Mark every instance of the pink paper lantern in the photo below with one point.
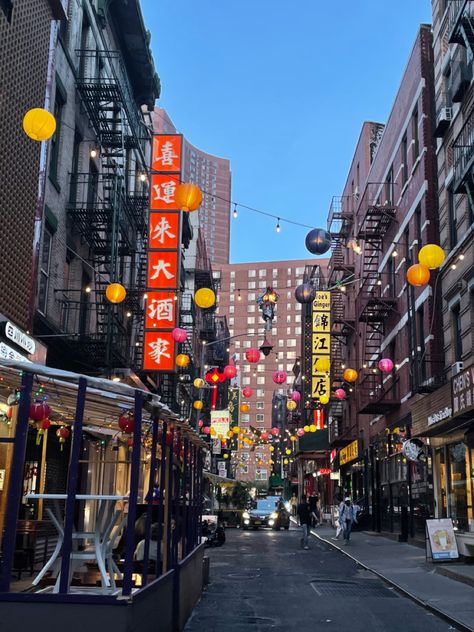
(340, 393)
(247, 392)
(179, 335)
(279, 377)
(206, 430)
(264, 435)
(200, 423)
(39, 411)
(252, 355)
(230, 371)
(295, 396)
(300, 432)
(386, 365)
(275, 432)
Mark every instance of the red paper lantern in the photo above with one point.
(300, 432)
(45, 424)
(275, 432)
(9, 412)
(230, 371)
(179, 335)
(169, 438)
(295, 396)
(62, 433)
(252, 355)
(126, 423)
(279, 377)
(206, 430)
(247, 392)
(340, 393)
(264, 435)
(39, 411)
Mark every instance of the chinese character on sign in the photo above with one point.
(320, 322)
(161, 267)
(321, 342)
(166, 155)
(161, 309)
(163, 192)
(320, 386)
(159, 350)
(161, 230)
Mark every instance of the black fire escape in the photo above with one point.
(376, 303)
(109, 211)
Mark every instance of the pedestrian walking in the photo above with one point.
(294, 504)
(314, 509)
(337, 523)
(347, 517)
(304, 516)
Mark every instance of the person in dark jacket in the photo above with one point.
(304, 517)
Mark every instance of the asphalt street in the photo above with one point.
(263, 580)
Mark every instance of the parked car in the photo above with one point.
(267, 512)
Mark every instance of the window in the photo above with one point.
(453, 229)
(251, 331)
(389, 187)
(420, 318)
(288, 318)
(298, 308)
(244, 469)
(260, 380)
(237, 346)
(261, 368)
(245, 418)
(246, 368)
(232, 298)
(260, 418)
(232, 287)
(236, 356)
(250, 309)
(246, 381)
(261, 475)
(245, 456)
(299, 271)
(251, 285)
(289, 367)
(457, 334)
(262, 273)
(288, 295)
(291, 355)
(251, 296)
(251, 320)
(291, 342)
(45, 263)
(288, 331)
(260, 405)
(414, 131)
(262, 285)
(59, 102)
(404, 160)
(298, 330)
(7, 7)
(231, 309)
(281, 343)
(247, 344)
(251, 273)
(231, 320)
(260, 392)
(232, 274)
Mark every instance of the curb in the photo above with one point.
(459, 625)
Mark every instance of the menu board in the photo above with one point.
(442, 539)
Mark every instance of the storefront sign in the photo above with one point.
(8, 353)
(222, 468)
(442, 539)
(164, 237)
(220, 422)
(216, 446)
(440, 415)
(320, 343)
(325, 470)
(332, 455)
(349, 453)
(16, 335)
(462, 390)
(335, 476)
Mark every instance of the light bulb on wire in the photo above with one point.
(235, 214)
(278, 227)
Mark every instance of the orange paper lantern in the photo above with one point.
(188, 196)
(418, 275)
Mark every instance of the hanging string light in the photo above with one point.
(278, 227)
(235, 214)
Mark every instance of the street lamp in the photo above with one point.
(266, 347)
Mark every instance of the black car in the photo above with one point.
(267, 512)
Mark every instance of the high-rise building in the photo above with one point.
(212, 174)
(241, 285)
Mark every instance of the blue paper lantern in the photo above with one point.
(318, 241)
(305, 293)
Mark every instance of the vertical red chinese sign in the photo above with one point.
(164, 238)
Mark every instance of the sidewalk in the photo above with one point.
(440, 587)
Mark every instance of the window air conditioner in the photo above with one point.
(457, 367)
(445, 114)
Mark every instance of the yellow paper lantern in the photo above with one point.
(312, 428)
(182, 360)
(418, 275)
(350, 375)
(287, 451)
(324, 399)
(272, 448)
(306, 428)
(213, 432)
(199, 382)
(198, 404)
(293, 438)
(226, 456)
(235, 430)
(271, 461)
(188, 196)
(205, 298)
(323, 365)
(431, 256)
(115, 293)
(39, 124)
(230, 434)
(244, 408)
(285, 461)
(291, 405)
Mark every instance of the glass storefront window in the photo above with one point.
(453, 464)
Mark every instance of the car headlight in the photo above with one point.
(246, 515)
(274, 515)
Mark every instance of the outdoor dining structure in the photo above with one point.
(100, 504)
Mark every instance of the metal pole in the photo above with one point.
(161, 512)
(149, 509)
(72, 477)
(15, 486)
(132, 501)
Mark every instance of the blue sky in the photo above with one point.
(281, 89)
